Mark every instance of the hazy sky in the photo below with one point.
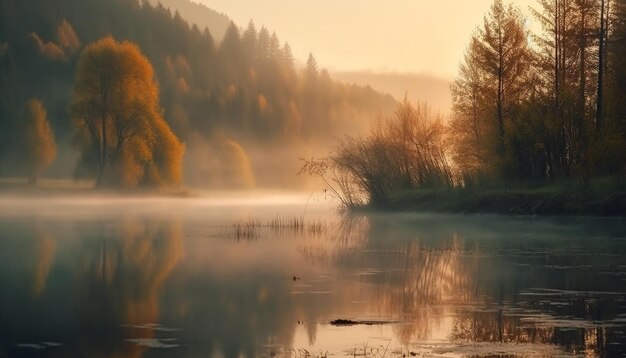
(418, 36)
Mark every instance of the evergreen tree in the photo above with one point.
(287, 55)
(311, 70)
(249, 40)
(263, 49)
(274, 47)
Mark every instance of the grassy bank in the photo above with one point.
(547, 200)
(20, 187)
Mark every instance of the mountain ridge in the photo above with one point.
(200, 14)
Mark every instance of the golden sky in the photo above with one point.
(416, 36)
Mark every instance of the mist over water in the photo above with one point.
(239, 275)
(147, 148)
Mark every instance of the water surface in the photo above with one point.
(223, 276)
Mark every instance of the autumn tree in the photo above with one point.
(613, 134)
(119, 127)
(37, 145)
(234, 165)
(470, 129)
(67, 43)
(503, 54)
(207, 81)
(602, 40)
(67, 38)
(566, 63)
(491, 83)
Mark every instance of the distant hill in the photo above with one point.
(434, 90)
(195, 13)
(245, 92)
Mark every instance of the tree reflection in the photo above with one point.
(452, 279)
(349, 233)
(120, 286)
(45, 247)
(430, 281)
(456, 281)
(415, 282)
(510, 326)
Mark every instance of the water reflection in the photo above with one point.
(105, 300)
(539, 285)
(119, 284)
(345, 235)
(132, 285)
(45, 247)
(429, 280)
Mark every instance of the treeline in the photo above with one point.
(242, 89)
(196, 13)
(528, 109)
(550, 105)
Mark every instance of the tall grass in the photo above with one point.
(246, 229)
(406, 151)
(251, 228)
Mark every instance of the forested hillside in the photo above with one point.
(195, 13)
(221, 100)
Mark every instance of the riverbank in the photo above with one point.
(540, 201)
(69, 188)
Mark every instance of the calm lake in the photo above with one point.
(233, 276)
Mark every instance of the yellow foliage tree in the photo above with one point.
(119, 124)
(38, 146)
(236, 167)
(67, 38)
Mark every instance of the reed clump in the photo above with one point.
(250, 228)
(247, 229)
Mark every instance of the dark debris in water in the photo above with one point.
(349, 322)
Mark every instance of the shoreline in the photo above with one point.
(542, 202)
(52, 188)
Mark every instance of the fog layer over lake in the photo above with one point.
(229, 275)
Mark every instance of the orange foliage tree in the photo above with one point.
(37, 145)
(494, 78)
(120, 129)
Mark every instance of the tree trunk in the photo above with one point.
(500, 104)
(601, 46)
(582, 98)
(32, 176)
(103, 146)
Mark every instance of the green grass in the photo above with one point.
(68, 187)
(602, 197)
(21, 186)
